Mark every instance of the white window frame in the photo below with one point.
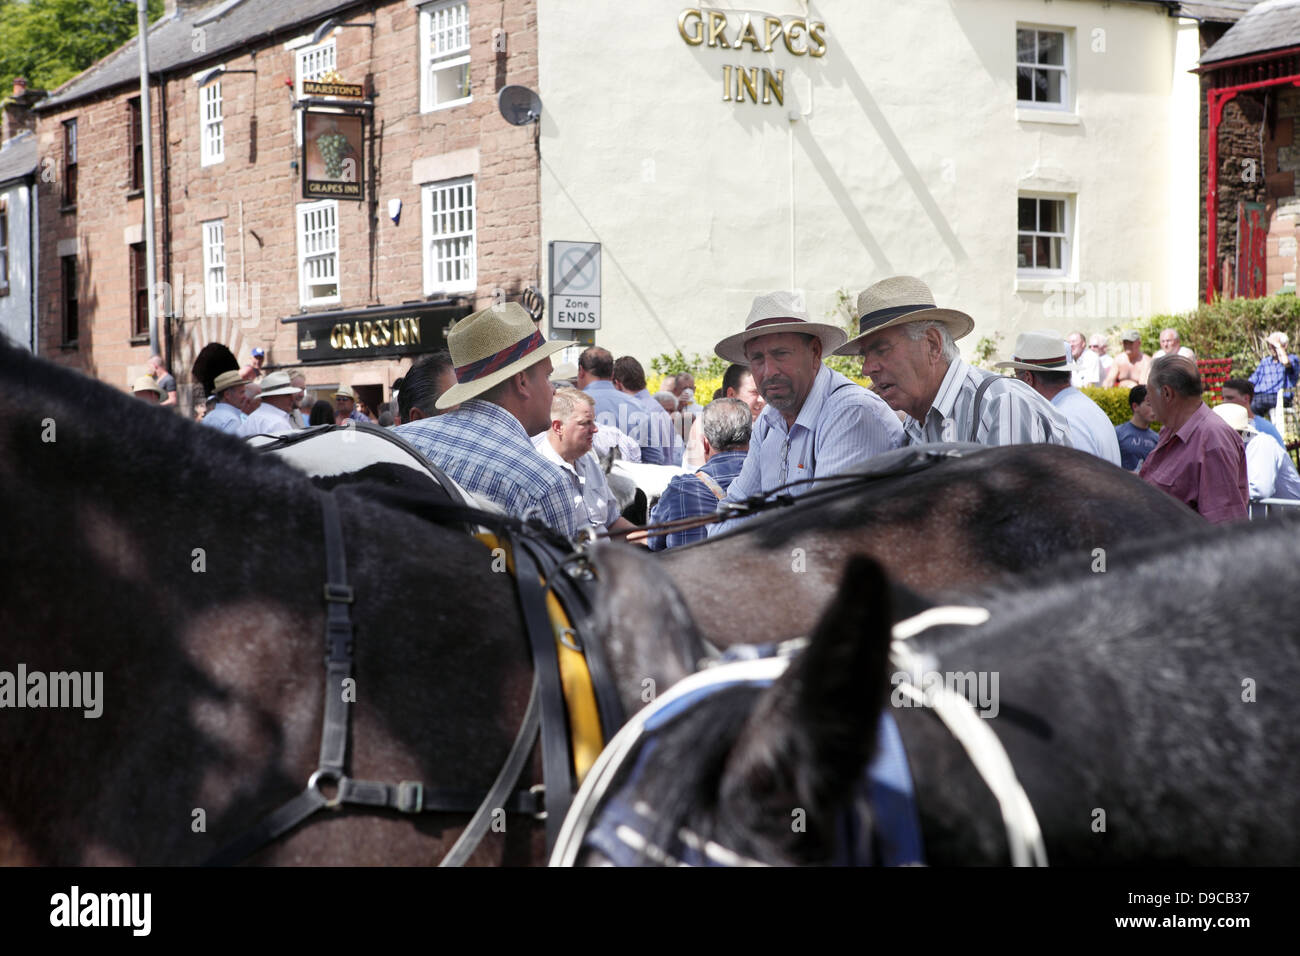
(460, 232)
(212, 131)
(433, 22)
(1066, 105)
(215, 292)
(321, 252)
(1066, 237)
(327, 55)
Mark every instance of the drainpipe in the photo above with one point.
(1216, 100)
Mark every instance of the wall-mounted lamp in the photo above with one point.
(331, 24)
(211, 75)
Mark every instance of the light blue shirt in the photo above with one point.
(628, 415)
(1090, 427)
(224, 417)
(593, 501)
(840, 425)
(662, 434)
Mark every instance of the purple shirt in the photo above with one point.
(1203, 464)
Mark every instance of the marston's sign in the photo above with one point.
(349, 91)
(700, 26)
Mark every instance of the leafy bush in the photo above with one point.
(1113, 401)
(1228, 328)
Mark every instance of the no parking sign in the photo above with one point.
(575, 285)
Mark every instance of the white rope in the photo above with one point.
(601, 776)
(976, 737)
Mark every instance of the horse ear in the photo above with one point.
(804, 748)
(643, 623)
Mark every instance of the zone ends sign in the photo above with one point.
(575, 285)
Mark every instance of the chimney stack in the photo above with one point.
(17, 110)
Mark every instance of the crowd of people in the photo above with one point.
(495, 414)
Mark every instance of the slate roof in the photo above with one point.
(228, 26)
(18, 157)
(1270, 25)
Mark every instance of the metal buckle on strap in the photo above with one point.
(410, 796)
(338, 593)
(538, 790)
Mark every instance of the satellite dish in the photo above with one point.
(519, 105)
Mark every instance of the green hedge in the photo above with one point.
(1226, 328)
(1113, 401)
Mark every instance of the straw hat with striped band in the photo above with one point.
(1236, 416)
(897, 301)
(1043, 351)
(773, 314)
(490, 346)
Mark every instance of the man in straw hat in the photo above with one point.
(147, 390)
(1043, 361)
(502, 365)
(345, 406)
(271, 417)
(908, 348)
(1199, 459)
(817, 423)
(226, 415)
(1270, 472)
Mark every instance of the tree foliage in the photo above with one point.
(51, 41)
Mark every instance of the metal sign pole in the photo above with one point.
(146, 132)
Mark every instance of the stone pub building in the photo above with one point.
(333, 183)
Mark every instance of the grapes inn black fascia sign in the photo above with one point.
(378, 332)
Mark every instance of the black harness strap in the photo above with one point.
(556, 767)
(338, 643)
(407, 796)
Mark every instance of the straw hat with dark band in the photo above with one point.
(1045, 351)
(227, 380)
(898, 301)
(773, 314)
(489, 346)
(146, 383)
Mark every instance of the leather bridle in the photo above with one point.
(542, 561)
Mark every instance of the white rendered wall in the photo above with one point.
(907, 157)
(16, 307)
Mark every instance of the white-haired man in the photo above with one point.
(817, 423)
(908, 348)
(1087, 367)
(271, 417)
(1171, 344)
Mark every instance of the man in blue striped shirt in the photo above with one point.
(502, 368)
(908, 348)
(817, 423)
(726, 423)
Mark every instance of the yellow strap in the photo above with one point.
(585, 738)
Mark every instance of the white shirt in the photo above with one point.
(607, 436)
(267, 420)
(1090, 427)
(840, 425)
(593, 501)
(1269, 469)
(1183, 350)
(1087, 369)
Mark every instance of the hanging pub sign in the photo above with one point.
(333, 147)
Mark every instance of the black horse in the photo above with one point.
(1149, 713)
(186, 570)
(963, 522)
